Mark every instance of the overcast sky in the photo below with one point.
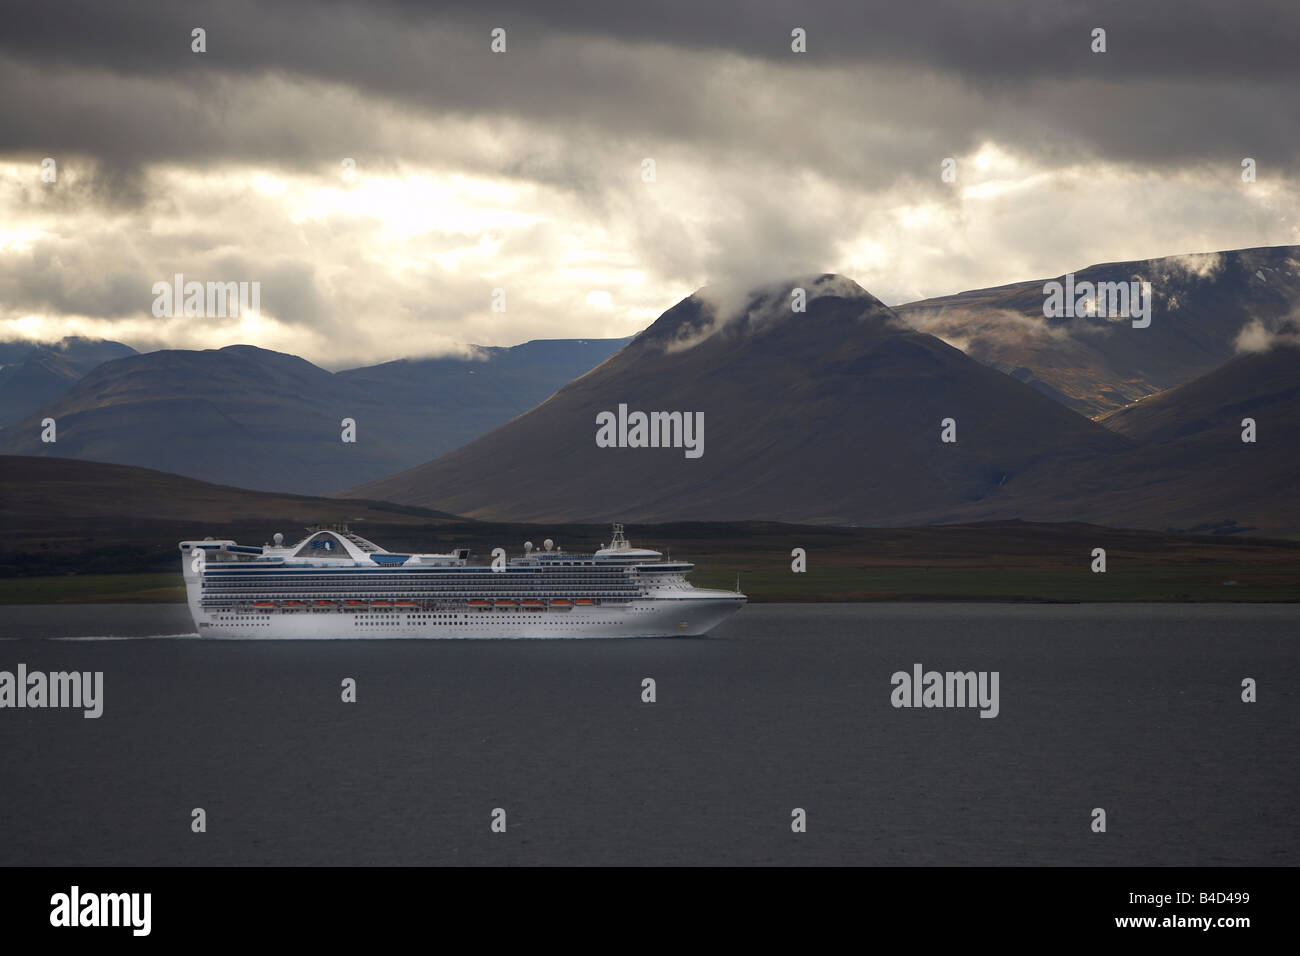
(524, 170)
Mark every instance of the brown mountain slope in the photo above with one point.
(1189, 468)
(49, 492)
(828, 416)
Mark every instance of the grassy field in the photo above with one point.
(1014, 562)
(94, 589)
(1135, 583)
(92, 532)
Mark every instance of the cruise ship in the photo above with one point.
(335, 584)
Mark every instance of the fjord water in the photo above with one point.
(1135, 709)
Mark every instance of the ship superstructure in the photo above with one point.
(333, 583)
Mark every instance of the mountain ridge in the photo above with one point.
(1201, 303)
(755, 359)
(274, 421)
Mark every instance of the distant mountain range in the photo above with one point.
(833, 415)
(1200, 304)
(34, 375)
(258, 419)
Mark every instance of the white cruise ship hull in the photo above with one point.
(661, 617)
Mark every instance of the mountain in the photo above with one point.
(1264, 385)
(830, 416)
(266, 420)
(38, 374)
(1193, 467)
(1187, 468)
(33, 383)
(83, 354)
(474, 394)
(1200, 306)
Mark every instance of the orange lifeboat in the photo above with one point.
(293, 603)
(323, 603)
(504, 603)
(532, 604)
(562, 603)
(405, 604)
(355, 603)
(264, 604)
(381, 603)
(584, 601)
(477, 602)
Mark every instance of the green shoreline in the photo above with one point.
(1159, 584)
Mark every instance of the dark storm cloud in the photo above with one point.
(1180, 81)
(993, 39)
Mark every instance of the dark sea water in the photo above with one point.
(1135, 709)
